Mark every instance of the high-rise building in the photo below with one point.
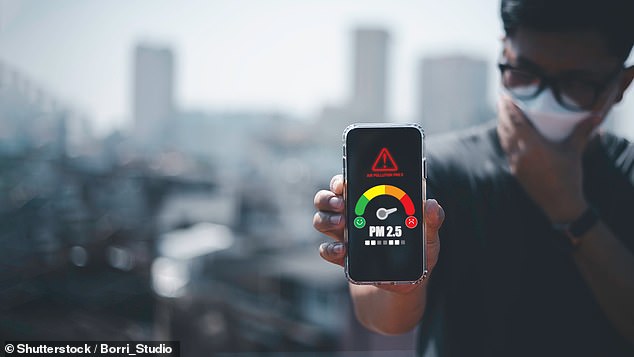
(153, 101)
(452, 93)
(369, 82)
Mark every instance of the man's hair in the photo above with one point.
(611, 19)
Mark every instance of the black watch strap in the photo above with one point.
(584, 223)
(580, 226)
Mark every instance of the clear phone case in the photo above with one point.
(423, 176)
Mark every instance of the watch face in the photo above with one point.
(384, 198)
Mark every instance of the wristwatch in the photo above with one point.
(577, 228)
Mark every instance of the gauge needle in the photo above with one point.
(382, 213)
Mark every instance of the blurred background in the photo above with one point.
(158, 159)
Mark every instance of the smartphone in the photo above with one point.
(384, 171)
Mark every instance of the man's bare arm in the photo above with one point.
(608, 268)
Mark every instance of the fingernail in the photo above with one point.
(335, 219)
(432, 207)
(333, 180)
(336, 202)
(430, 203)
(338, 248)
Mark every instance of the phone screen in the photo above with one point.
(384, 192)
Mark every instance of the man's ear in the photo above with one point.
(626, 80)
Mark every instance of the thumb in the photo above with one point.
(434, 216)
(581, 134)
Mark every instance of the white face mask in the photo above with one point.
(552, 120)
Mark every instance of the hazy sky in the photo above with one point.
(287, 55)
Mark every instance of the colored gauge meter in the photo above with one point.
(380, 190)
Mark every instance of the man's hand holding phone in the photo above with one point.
(329, 220)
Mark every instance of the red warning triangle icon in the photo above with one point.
(384, 162)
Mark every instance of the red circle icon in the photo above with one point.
(411, 222)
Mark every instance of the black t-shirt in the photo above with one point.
(504, 285)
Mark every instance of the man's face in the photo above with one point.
(570, 56)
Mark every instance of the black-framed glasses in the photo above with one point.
(570, 92)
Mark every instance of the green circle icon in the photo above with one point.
(359, 222)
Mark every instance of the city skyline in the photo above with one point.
(280, 56)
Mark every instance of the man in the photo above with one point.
(537, 245)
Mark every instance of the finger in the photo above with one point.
(508, 132)
(507, 111)
(333, 252)
(515, 114)
(505, 129)
(581, 134)
(434, 216)
(336, 184)
(328, 201)
(521, 124)
(502, 106)
(330, 224)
